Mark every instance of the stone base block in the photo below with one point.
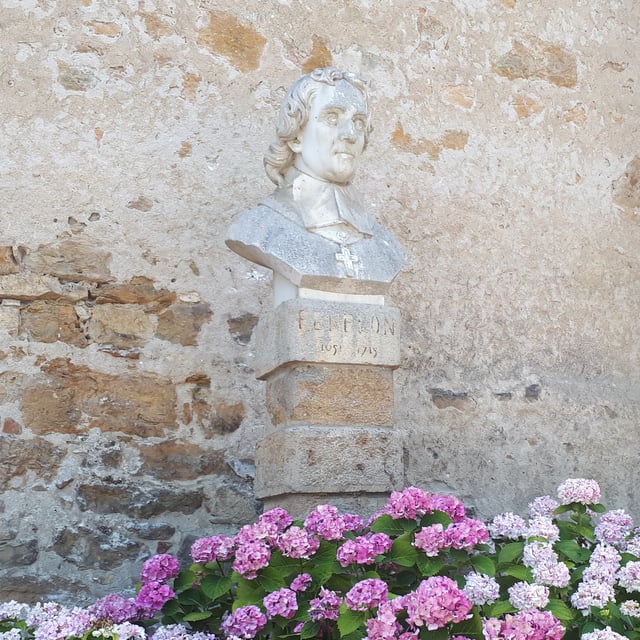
(307, 330)
(328, 460)
(331, 395)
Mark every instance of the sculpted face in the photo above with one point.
(333, 139)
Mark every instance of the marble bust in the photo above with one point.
(312, 231)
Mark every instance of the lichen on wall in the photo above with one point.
(504, 157)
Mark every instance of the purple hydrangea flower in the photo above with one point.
(326, 606)
(12, 610)
(301, 582)
(508, 525)
(603, 634)
(116, 608)
(250, 557)
(630, 608)
(366, 594)
(281, 603)
(524, 625)
(449, 505)
(212, 549)
(152, 597)
(543, 527)
(579, 490)
(524, 596)
(278, 518)
(180, 632)
(614, 527)
(629, 576)
(542, 507)
(244, 622)
(160, 568)
(592, 594)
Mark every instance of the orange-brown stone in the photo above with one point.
(76, 399)
(241, 45)
(531, 57)
(7, 261)
(190, 84)
(139, 290)
(405, 142)
(171, 460)
(320, 55)
(181, 323)
(46, 321)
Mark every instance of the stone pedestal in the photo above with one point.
(328, 368)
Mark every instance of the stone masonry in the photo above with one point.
(504, 159)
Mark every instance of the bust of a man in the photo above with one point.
(312, 230)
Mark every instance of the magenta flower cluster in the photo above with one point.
(579, 490)
(363, 549)
(524, 625)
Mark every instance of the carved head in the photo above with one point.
(324, 126)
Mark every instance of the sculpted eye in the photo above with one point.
(359, 124)
(331, 118)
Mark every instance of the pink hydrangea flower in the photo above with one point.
(363, 549)
(278, 518)
(366, 594)
(603, 565)
(431, 539)
(160, 568)
(281, 603)
(436, 602)
(296, 542)
(212, 549)
(410, 503)
(250, 558)
(481, 589)
(385, 625)
(508, 525)
(326, 606)
(12, 610)
(466, 534)
(64, 623)
(579, 490)
(244, 622)
(301, 582)
(449, 505)
(325, 522)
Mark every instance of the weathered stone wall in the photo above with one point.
(504, 158)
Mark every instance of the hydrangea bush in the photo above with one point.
(421, 568)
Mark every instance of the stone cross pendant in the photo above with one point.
(349, 260)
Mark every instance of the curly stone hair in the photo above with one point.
(294, 115)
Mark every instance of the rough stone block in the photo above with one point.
(18, 457)
(30, 286)
(181, 461)
(307, 330)
(328, 460)
(331, 395)
(181, 323)
(10, 317)
(138, 290)
(47, 321)
(69, 261)
(122, 325)
(7, 261)
(77, 399)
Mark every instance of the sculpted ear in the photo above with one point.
(295, 145)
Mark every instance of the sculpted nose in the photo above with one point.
(348, 131)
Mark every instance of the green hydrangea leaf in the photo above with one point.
(498, 609)
(349, 621)
(429, 566)
(197, 615)
(560, 610)
(386, 524)
(510, 552)
(482, 564)
(403, 552)
(216, 586)
(573, 550)
(184, 580)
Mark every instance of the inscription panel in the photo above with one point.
(304, 330)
